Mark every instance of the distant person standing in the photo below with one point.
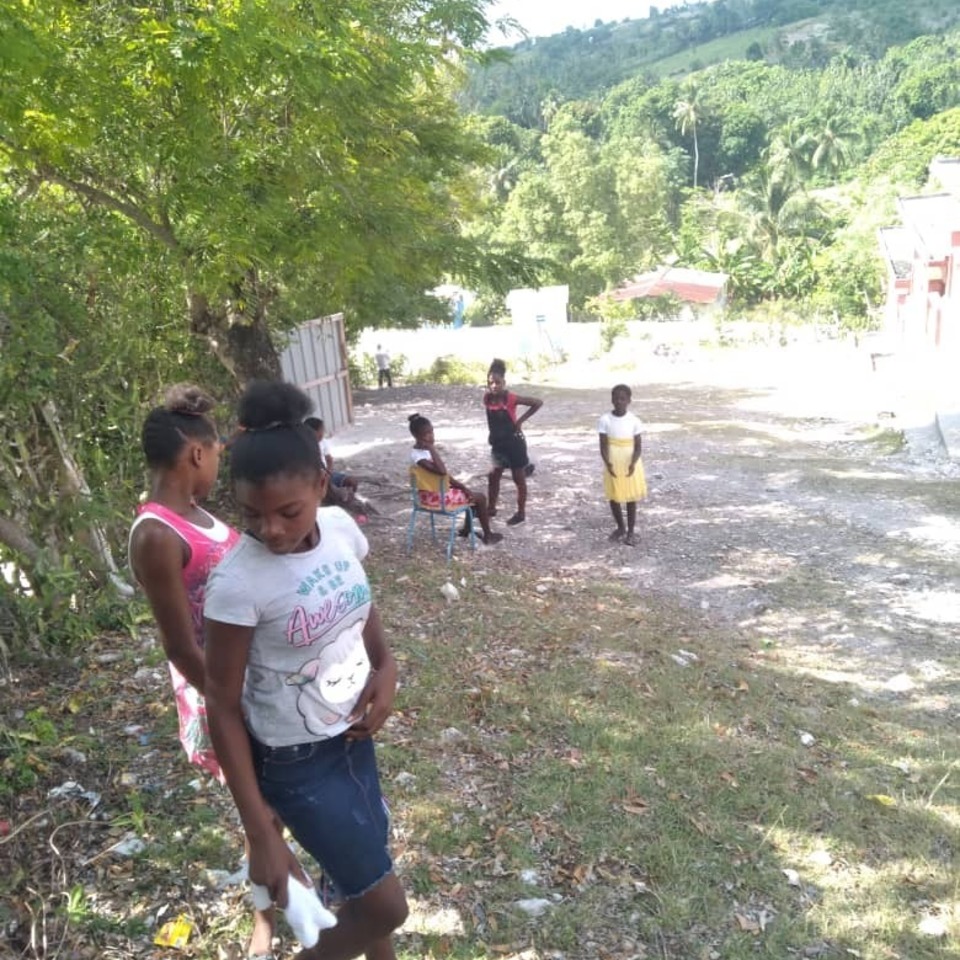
(620, 449)
(383, 367)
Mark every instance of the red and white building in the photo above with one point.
(698, 287)
(923, 266)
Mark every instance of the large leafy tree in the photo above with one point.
(264, 148)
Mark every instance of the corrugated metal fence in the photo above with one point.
(316, 361)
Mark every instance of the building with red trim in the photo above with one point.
(923, 265)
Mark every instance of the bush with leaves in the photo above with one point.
(450, 370)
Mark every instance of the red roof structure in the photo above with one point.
(690, 286)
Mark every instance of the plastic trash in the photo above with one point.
(305, 913)
(174, 933)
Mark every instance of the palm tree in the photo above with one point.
(687, 114)
(834, 136)
(774, 207)
(788, 153)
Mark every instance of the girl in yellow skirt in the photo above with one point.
(620, 449)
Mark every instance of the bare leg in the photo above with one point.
(363, 925)
(493, 489)
(381, 950)
(483, 515)
(630, 539)
(520, 479)
(617, 512)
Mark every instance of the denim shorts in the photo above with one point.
(510, 452)
(327, 794)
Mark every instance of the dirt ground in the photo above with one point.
(795, 493)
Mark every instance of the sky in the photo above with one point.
(544, 17)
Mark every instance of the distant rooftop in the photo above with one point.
(691, 286)
(898, 244)
(945, 172)
(933, 219)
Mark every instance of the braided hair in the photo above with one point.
(274, 439)
(183, 416)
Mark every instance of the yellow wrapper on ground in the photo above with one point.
(621, 488)
(174, 933)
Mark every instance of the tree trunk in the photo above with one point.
(17, 539)
(696, 156)
(240, 341)
(76, 485)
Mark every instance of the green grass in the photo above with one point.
(733, 47)
(660, 803)
(551, 731)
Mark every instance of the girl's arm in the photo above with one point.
(227, 650)
(605, 453)
(637, 450)
(532, 404)
(434, 463)
(376, 701)
(157, 558)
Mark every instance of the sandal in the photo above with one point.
(617, 536)
(630, 540)
(516, 519)
(491, 538)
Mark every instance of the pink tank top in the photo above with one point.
(207, 546)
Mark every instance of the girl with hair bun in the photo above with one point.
(174, 544)
(300, 678)
(426, 456)
(508, 445)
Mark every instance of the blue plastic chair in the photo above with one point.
(427, 481)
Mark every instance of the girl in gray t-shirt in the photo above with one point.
(300, 677)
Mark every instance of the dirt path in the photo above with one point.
(790, 497)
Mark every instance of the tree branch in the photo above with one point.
(15, 537)
(161, 231)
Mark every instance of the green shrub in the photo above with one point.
(610, 331)
(451, 370)
(363, 369)
(486, 311)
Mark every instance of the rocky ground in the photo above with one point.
(795, 492)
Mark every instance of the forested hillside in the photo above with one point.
(776, 173)
(579, 64)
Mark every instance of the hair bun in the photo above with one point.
(187, 399)
(273, 403)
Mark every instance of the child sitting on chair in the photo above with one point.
(426, 456)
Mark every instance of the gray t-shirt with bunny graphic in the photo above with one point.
(308, 663)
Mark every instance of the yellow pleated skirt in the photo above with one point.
(621, 488)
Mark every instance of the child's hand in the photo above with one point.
(611, 471)
(375, 703)
(272, 863)
(630, 471)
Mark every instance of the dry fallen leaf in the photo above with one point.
(746, 924)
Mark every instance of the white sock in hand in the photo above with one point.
(305, 913)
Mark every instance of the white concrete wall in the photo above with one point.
(478, 344)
